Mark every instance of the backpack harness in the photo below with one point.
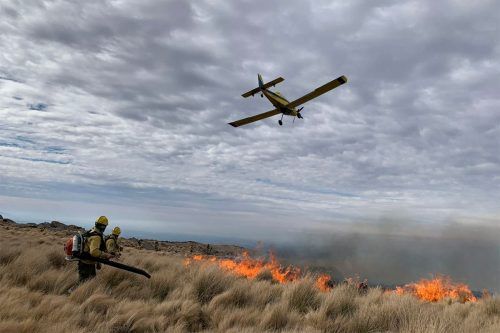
(74, 247)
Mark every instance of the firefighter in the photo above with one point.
(94, 247)
(112, 245)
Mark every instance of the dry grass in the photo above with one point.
(34, 279)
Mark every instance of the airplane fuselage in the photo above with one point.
(279, 102)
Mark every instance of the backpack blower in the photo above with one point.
(74, 252)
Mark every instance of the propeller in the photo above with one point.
(298, 113)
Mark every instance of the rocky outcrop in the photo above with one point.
(149, 245)
(7, 222)
(27, 225)
(56, 225)
(50, 226)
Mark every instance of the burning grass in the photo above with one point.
(438, 288)
(252, 268)
(208, 295)
(432, 290)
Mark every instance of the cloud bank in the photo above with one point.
(127, 103)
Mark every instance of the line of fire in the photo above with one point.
(434, 289)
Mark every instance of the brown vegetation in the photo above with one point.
(35, 278)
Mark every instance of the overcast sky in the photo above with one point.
(120, 108)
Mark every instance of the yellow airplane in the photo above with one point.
(281, 104)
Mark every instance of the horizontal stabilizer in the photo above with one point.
(265, 86)
(251, 119)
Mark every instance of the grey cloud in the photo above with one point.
(151, 85)
(11, 12)
(9, 78)
(38, 106)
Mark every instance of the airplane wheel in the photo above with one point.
(280, 122)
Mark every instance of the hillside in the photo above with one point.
(200, 296)
(173, 248)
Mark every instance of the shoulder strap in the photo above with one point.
(91, 233)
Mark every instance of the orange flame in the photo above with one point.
(324, 282)
(432, 290)
(438, 288)
(251, 268)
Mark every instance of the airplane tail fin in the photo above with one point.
(262, 86)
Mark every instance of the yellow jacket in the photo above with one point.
(112, 245)
(94, 245)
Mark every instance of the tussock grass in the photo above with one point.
(8, 254)
(35, 278)
(277, 317)
(491, 306)
(265, 275)
(161, 286)
(209, 282)
(302, 296)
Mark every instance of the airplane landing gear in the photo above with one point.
(280, 122)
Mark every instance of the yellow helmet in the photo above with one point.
(116, 231)
(102, 220)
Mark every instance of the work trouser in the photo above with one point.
(85, 271)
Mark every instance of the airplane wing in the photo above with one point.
(319, 91)
(267, 85)
(251, 119)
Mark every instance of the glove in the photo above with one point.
(107, 255)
